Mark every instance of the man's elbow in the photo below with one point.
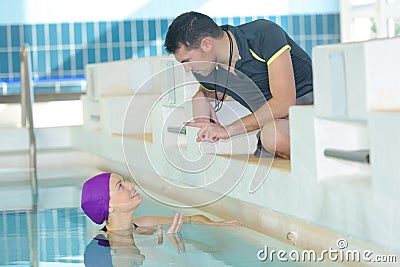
(283, 106)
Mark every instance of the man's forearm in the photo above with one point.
(267, 112)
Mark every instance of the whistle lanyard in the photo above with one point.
(218, 103)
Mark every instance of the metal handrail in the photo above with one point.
(27, 100)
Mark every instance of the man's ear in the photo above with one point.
(207, 44)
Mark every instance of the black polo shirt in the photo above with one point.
(259, 42)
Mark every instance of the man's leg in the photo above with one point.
(275, 138)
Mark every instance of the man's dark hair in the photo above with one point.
(189, 29)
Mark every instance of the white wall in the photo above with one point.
(48, 11)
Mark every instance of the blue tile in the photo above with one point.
(114, 32)
(127, 31)
(15, 36)
(164, 28)
(153, 50)
(2, 230)
(66, 59)
(75, 249)
(296, 25)
(16, 62)
(152, 30)
(236, 21)
(116, 53)
(65, 33)
(332, 25)
(44, 89)
(62, 248)
(248, 19)
(90, 32)
(319, 22)
(70, 88)
(128, 52)
(260, 17)
(139, 31)
(49, 249)
(140, 51)
(3, 36)
(224, 21)
(79, 59)
(102, 32)
(333, 41)
(61, 220)
(91, 55)
(40, 41)
(11, 224)
(103, 54)
(78, 33)
(3, 62)
(54, 60)
(307, 24)
(284, 23)
(53, 34)
(27, 34)
(22, 221)
(41, 62)
(14, 90)
(272, 18)
(309, 46)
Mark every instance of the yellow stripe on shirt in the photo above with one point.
(256, 56)
(277, 54)
(205, 89)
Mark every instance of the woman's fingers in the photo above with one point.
(181, 244)
(174, 225)
(177, 242)
(180, 222)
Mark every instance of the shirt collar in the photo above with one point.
(241, 42)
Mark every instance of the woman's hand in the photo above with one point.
(176, 224)
(173, 234)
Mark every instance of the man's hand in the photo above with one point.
(202, 110)
(209, 132)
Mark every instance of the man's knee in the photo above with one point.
(267, 137)
(275, 137)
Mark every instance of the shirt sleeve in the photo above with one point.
(272, 40)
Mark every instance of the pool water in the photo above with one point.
(64, 234)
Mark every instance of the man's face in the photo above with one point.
(197, 60)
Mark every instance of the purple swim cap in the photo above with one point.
(96, 197)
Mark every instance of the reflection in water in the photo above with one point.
(32, 226)
(65, 238)
(118, 250)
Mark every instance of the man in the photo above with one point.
(256, 63)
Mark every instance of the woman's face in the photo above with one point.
(123, 196)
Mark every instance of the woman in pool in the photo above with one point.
(108, 197)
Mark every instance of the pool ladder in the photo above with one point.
(27, 100)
